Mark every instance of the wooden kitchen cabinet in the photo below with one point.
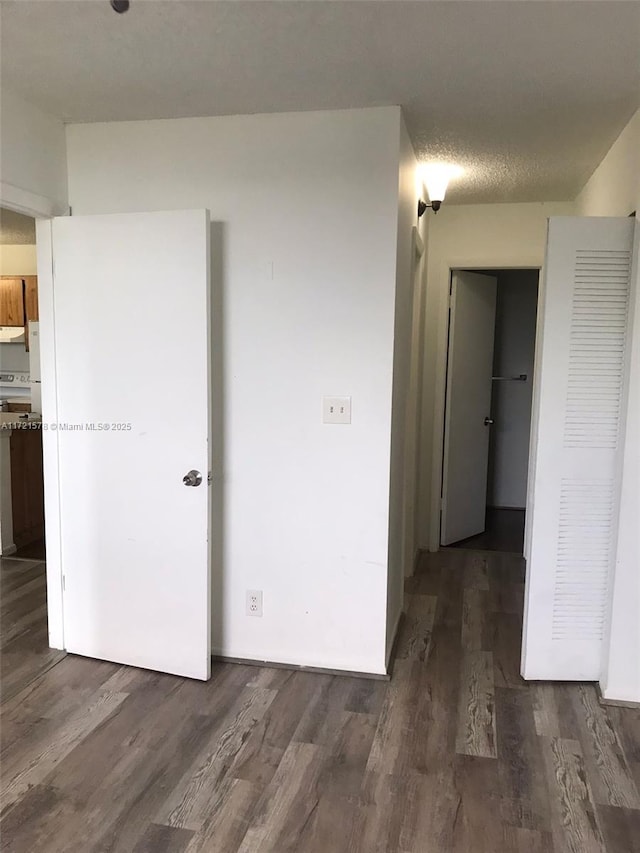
(27, 486)
(31, 297)
(12, 311)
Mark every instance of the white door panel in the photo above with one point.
(131, 296)
(574, 476)
(468, 403)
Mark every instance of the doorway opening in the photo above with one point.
(490, 363)
(22, 522)
(22, 534)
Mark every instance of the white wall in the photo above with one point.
(33, 166)
(515, 340)
(468, 237)
(305, 213)
(614, 187)
(403, 415)
(18, 260)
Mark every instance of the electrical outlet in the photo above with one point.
(336, 410)
(254, 602)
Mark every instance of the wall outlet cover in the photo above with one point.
(336, 410)
(254, 602)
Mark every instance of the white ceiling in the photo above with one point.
(16, 229)
(527, 96)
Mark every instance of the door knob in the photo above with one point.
(488, 421)
(193, 478)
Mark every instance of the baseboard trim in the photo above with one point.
(9, 550)
(615, 703)
(15, 559)
(321, 670)
(514, 508)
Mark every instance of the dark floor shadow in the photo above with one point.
(504, 531)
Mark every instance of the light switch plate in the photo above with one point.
(336, 410)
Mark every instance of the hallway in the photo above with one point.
(456, 754)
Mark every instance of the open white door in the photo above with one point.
(574, 471)
(468, 406)
(131, 301)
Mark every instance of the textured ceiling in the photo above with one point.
(16, 229)
(527, 96)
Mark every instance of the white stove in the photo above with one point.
(14, 386)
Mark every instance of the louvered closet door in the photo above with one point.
(574, 472)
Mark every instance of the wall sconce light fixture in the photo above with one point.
(435, 178)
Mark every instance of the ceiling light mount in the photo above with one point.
(120, 6)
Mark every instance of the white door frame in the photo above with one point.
(49, 391)
(41, 209)
(462, 263)
(25, 202)
(413, 407)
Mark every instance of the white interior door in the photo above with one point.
(131, 300)
(574, 472)
(468, 406)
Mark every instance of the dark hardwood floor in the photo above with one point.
(504, 532)
(24, 642)
(456, 754)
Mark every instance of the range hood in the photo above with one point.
(11, 334)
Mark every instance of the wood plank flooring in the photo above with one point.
(456, 754)
(23, 625)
